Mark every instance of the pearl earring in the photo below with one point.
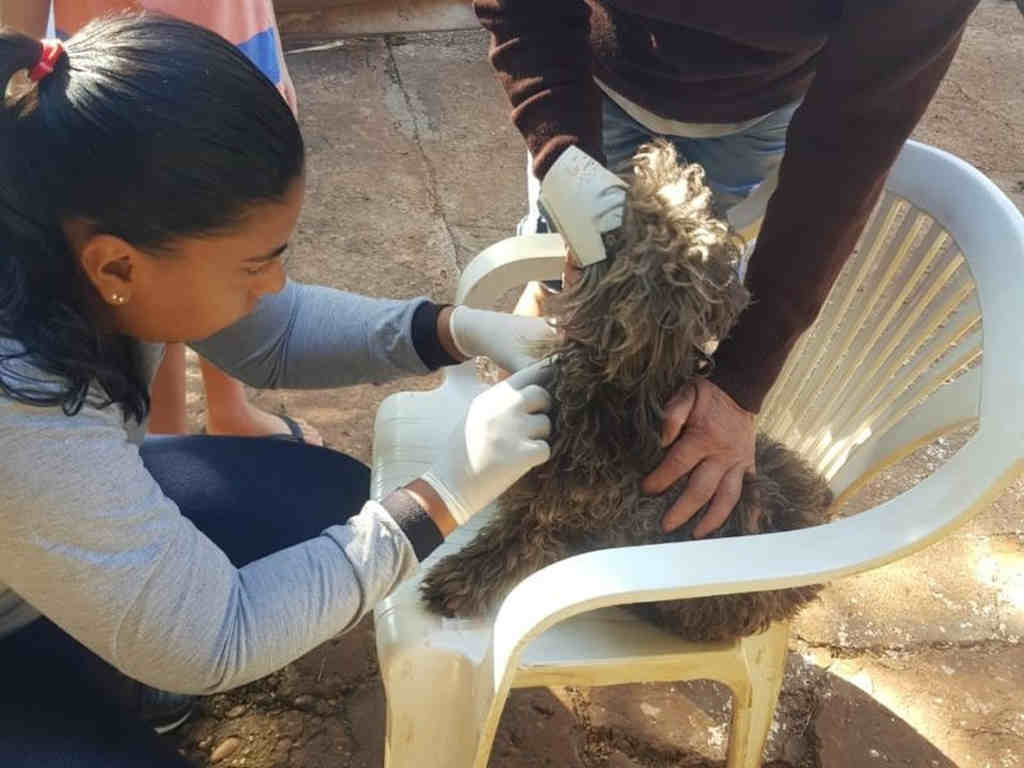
(117, 298)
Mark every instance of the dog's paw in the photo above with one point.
(451, 590)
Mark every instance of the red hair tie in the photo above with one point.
(52, 49)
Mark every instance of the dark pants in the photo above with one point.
(60, 704)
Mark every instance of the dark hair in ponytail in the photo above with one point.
(150, 128)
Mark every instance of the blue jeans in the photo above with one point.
(62, 706)
(734, 164)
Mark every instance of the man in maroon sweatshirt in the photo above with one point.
(862, 73)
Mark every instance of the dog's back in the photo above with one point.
(784, 495)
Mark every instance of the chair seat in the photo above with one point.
(410, 430)
(616, 638)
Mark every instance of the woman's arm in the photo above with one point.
(311, 337)
(88, 539)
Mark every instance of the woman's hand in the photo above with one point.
(714, 442)
(503, 436)
(507, 339)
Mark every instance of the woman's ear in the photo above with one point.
(109, 262)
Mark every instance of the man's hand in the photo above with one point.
(713, 441)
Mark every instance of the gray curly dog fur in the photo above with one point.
(635, 330)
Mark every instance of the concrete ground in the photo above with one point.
(413, 168)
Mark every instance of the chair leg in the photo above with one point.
(430, 722)
(435, 712)
(755, 697)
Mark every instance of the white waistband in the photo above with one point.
(666, 127)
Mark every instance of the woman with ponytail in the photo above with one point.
(150, 179)
(252, 26)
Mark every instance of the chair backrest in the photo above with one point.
(902, 320)
(895, 357)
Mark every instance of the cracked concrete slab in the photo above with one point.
(370, 219)
(976, 113)
(477, 157)
(310, 22)
(943, 595)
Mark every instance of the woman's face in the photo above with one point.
(202, 284)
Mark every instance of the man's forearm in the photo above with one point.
(27, 16)
(541, 52)
(841, 145)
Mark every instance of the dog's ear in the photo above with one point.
(669, 289)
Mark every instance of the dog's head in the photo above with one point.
(669, 287)
(638, 326)
(644, 319)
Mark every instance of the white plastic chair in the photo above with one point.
(944, 249)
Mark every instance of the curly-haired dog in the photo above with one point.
(635, 328)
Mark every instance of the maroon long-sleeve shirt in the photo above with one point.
(865, 68)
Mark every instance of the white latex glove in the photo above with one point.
(583, 199)
(500, 336)
(501, 439)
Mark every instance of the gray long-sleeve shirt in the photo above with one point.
(88, 539)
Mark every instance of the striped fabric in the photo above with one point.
(249, 24)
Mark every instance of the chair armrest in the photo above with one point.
(880, 535)
(507, 264)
